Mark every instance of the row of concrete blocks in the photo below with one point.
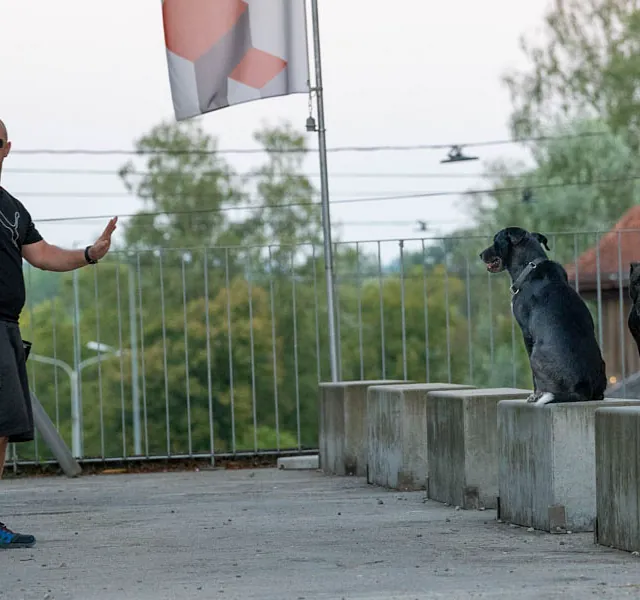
(557, 468)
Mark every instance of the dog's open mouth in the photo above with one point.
(495, 266)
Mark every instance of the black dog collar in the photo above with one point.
(532, 266)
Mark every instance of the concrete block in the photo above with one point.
(618, 477)
(547, 464)
(299, 463)
(343, 426)
(397, 429)
(462, 442)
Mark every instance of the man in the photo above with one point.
(20, 239)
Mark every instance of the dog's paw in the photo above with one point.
(544, 398)
(540, 398)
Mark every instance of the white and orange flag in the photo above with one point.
(226, 52)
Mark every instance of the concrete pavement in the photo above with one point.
(282, 535)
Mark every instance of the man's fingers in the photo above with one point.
(110, 228)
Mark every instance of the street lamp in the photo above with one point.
(457, 155)
(100, 347)
(74, 377)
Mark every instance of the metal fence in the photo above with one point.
(217, 352)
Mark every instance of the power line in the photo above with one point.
(84, 221)
(423, 195)
(251, 175)
(336, 149)
(80, 195)
(384, 195)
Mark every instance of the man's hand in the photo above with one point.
(103, 243)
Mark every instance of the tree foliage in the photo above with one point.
(585, 65)
(218, 295)
(226, 309)
(575, 185)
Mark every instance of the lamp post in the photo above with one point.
(74, 377)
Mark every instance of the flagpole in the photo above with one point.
(324, 194)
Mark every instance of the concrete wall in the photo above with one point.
(397, 434)
(547, 464)
(617, 455)
(565, 467)
(463, 447)
(343, 426)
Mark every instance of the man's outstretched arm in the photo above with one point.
(48, 257)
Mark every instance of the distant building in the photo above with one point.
(602, 273)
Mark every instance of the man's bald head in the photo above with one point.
(5, 144)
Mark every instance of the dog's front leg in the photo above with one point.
(528, 344)
(633, 323)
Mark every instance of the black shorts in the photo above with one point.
(16, 414)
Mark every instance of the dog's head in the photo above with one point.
(508, 244)
(634, 280)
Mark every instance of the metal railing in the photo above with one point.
(218, 351)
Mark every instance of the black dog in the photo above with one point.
(634, 292)
(557, 327)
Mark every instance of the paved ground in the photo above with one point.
(282, 535)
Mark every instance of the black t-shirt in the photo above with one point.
(16, 230)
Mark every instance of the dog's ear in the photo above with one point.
(542, 239)
(633, 268)
(516, 235)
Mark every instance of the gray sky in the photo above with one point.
(78, 74)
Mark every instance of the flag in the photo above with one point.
(226, 52)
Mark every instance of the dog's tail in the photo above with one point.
(549, 398)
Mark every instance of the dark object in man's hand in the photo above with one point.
(27, 349)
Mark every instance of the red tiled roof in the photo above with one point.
(616, 250)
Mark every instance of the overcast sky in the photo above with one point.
(78, 74)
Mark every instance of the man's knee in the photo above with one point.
(4, 442)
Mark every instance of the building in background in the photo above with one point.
(605, 268)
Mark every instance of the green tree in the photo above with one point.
(251, 375)
(285, 218)
(187, 188)
(577, 187)
(379, 335)
(586, 64)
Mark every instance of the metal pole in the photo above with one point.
(76, 429)
(135, 395)
(52, 438)
(76, 411)
(77, 385)
(324, 193)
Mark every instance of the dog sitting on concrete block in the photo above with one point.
(633, 322)
(558, 329)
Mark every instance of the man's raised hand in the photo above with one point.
(103, 243)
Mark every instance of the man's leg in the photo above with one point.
(16, 413)
(8, 538)
(4, 442)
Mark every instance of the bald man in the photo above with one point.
(20, 239)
